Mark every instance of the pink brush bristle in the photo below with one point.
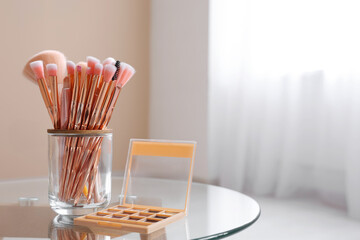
(109, 60)
(128, 76)
(109, 71)
(122, 70)
(38, 69)
(70, 67)
(91, 62)
(51, 69)
(98, 69)
(126, 72)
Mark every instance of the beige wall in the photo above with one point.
(115, 28)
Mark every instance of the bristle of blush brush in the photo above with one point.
(47, 56)
(38, 69)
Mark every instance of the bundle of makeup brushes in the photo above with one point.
(84, 101)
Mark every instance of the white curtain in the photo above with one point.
(284, 98)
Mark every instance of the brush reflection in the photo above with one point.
(62, 231)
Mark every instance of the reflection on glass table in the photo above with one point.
(214, 213)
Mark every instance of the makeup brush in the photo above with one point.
(52, 71)
(97, 73)
(78, 163)
(37, 68)
(83, 71)
(77, 105)
(108, 96)
(93, 177)
(93, 73)
(47, 56)
(71, 143)
(82, 100)
(91, 62)
(70, 73)
(108, 74)
(74, 97)
(97, 122)
(86, 172)
(80, 143)
(126, 75)
(126, 72)
(107, 61)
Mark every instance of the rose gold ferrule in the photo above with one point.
(81, 105)
(72, 114)
(55, 99)
(46, 97)
(89, 81)
(71, 76)
(80, 108)
(111, 107)
(45, 92)
(100, 82)
(98, 105)
(103, 111)
(74, 100)
(71, 80)
(89, 102)
(96, 95)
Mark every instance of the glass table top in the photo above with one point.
(214, 213)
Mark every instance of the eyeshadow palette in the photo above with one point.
(132, 218)
(150, 158)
